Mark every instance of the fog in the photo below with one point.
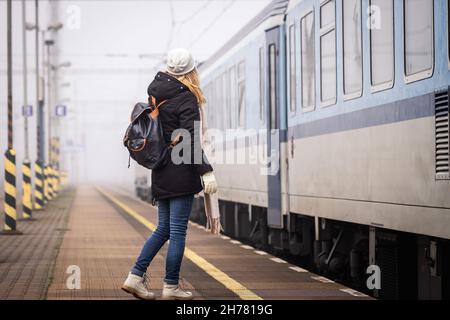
(115, 48)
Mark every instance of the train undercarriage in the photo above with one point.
(383, 263)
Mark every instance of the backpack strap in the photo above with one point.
(155, 112)
(153, 100)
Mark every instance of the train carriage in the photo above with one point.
(352, 99)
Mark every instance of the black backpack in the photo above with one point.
(144, 136)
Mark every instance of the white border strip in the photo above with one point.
(278, 260)
(298, 269)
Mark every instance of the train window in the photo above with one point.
(213, 107)
(352, 48)
(233, 97)
(382, 44)
(210, 102)
(216, 105)
(419, 44)
(221, 104)
(224, 109)
(218, 91)
(241, 93)
(208, 94)
(308, 62)
(216, 101)
(292, 69)
(327, 53)
(327, 13)
(262, 89)
(272, 86)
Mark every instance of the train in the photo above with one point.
(342, 114)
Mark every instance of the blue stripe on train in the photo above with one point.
(408, 109)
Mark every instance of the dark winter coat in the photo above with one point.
(180, 111)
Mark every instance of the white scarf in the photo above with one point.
(211, 200)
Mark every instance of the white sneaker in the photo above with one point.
(138, 287)
(175, 292)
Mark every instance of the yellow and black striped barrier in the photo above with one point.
(53, 176)
(26, 189)
(57, 181)
(10, 192)
(56, 186)
(47, 192)
(50, 185)
(38, 186)
(51, 191)
(44, 172)
(54, 166)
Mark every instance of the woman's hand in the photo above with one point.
(209, 183)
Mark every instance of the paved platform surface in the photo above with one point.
(26, 260)
(107, 230)
(102, 244)
(100, 232)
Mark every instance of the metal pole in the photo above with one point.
(38, 98)
(44, 159)
(10, 92)
(49, 106)
(42, 101)
(49, 171)
(10, 154)
(39, 178)
(25, 74)
(26, 165)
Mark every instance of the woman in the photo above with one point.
(174, 185)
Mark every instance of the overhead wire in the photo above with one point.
(213, 22)
(203, 7)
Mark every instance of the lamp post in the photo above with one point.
(39, 200)
(48, 170)
(55, 140)
(50, 166)
(26, 165)
(41, 182)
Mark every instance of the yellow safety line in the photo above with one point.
(209, 268)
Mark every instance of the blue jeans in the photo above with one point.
(173, 217)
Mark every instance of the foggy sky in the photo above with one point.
(113, 48)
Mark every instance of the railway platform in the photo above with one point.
(27, 260)
(85, 241)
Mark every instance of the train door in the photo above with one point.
(276, 127)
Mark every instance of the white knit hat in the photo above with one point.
(179, 62)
